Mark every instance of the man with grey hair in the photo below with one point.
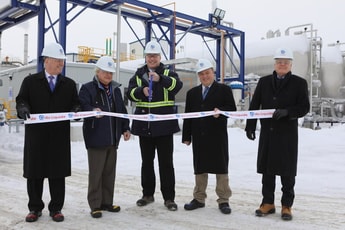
(102, 135)
(47, 147)
(278, 143)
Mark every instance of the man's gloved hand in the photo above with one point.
(23, 112)
(250, 134)
(76, 109)
(280, 113)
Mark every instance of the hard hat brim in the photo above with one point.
(202, 69)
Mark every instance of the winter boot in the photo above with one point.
(286, 213)
(265, 209)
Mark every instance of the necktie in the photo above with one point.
(51, 83)
(205, 92)
(107, 90)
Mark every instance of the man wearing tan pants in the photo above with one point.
(209, 136)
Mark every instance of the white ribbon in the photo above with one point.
(52, 117)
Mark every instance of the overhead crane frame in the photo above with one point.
(168, 22)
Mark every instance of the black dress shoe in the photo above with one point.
(57, 216)
(33, 216)
(224, 208)
(145, 200)
(110, 208)
(96, 213)
(194, 204)
(171, 205)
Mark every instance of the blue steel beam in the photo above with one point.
(6, 21)
(167, 21)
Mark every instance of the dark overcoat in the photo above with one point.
(107, 130)
(278, 141)
(209, 135)
(47, 149)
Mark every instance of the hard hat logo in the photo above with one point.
(153, 47)
(53, 50)
(106, 63)
(202, 65)
(283, 53)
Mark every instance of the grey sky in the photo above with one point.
(253, 17)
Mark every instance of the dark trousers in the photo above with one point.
(268, 188)
(57, 194)
(102, 170)
(164, 146)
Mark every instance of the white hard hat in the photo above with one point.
(53, 50)
(106, 63)
(202, 65)
(153, 47)
(283, 53)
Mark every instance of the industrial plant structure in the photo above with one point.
(237, 64)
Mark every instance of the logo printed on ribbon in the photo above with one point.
(52, 117)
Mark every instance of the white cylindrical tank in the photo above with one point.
(237, 88)
(259, 55)
(332, 72)
(259, 61)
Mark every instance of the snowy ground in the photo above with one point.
(319, 202)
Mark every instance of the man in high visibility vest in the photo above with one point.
(153, 88)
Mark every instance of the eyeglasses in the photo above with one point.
(283, 62)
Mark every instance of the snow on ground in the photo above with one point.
(319, 203)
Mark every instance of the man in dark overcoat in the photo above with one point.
(209, 136)
(47, 150)
(278, 143)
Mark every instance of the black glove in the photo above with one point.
(76, 109)
(280, 113)
(23, 112)
(250, 134)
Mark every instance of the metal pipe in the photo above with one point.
(311, 67)
(25, 61)
(118, 38)
(222, 59)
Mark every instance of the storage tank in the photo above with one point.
(259, 55)
(259, 61)
(332, 72)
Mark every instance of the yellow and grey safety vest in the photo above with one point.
(155, 104)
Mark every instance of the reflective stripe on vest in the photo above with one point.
(165, 102)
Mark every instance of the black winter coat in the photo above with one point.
(135, 94)
(209, 135)
(278, 142)
(47, 149)
(107, 130)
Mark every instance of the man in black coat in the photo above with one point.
(47, 149)
(278, 143)
(153, 88)
(209, 136)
